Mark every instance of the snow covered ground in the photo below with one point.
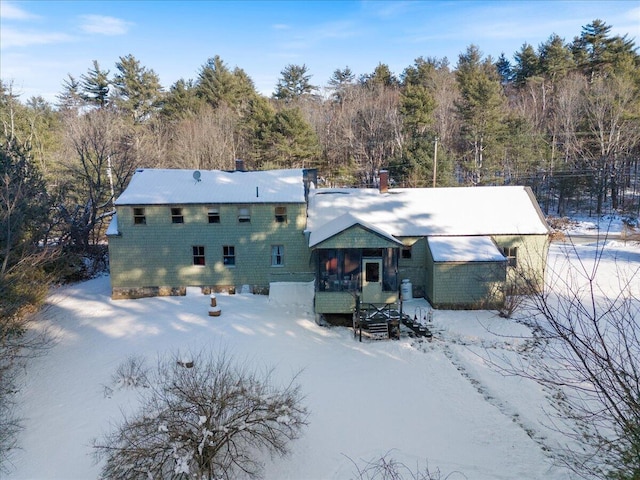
(428, 403)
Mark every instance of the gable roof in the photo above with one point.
(152, 186)
(415, 212)
(464, 249)
(343, 223)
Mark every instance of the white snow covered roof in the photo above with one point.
(342, 223)
(464, 249)
(112, 229)
(172, 186)
(409, 212)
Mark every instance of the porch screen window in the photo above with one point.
(139, 218)
(244, 214)
(277, 255)
(281, 214)
(390, 269)
(229, 255)
(339, 270)
(198, 255)
(213, 214)
(512, 256)
(176, 215)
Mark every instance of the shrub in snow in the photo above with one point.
(388, 468)
(205, 422)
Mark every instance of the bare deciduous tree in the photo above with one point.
(588, 340)
(205, 418)
(208, 141)
(99, 142)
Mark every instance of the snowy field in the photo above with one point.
(434, 404)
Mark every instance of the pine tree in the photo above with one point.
(295, 83)
(480, 109)
(381, 76)
(70, 100)
(137, 89)
(527, 65)
(217, 85)
(181, 101)
(294, 143)
(95, 86)
(596, 53)
(555, 57)
(340, 82)
(505, 70)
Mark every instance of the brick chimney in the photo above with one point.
(384, 181)
(239, 165)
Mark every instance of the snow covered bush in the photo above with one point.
(388, 468)
(209, 421)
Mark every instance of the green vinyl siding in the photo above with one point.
(344, 302)
(457, 285)
(532, 253)
(414, 268)
(467, 285)
(357, 236)
(160, 253)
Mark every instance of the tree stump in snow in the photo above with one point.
(213, 300)
(214, 311)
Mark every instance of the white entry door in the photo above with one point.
(371, 280)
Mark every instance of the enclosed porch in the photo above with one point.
(354, 262)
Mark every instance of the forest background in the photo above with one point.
(562, 117)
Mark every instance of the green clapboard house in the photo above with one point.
(220, 230)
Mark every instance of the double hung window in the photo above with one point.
(198, 255)
(139, 217)
(176, 215)
(229, 255)
(244, 214)
(277, 255)
(213, 214)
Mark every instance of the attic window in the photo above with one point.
(214, 215)
(139, 218)
(281, 214)
(244, 214)
(176, 215)
(512, 256)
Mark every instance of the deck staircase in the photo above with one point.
(382, 321)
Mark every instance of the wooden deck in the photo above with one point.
(383, 321)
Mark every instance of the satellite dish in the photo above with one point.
(196, 175)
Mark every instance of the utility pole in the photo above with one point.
(435, 161)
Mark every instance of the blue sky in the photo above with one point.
(42, 41)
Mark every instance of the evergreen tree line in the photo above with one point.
(563, 118)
